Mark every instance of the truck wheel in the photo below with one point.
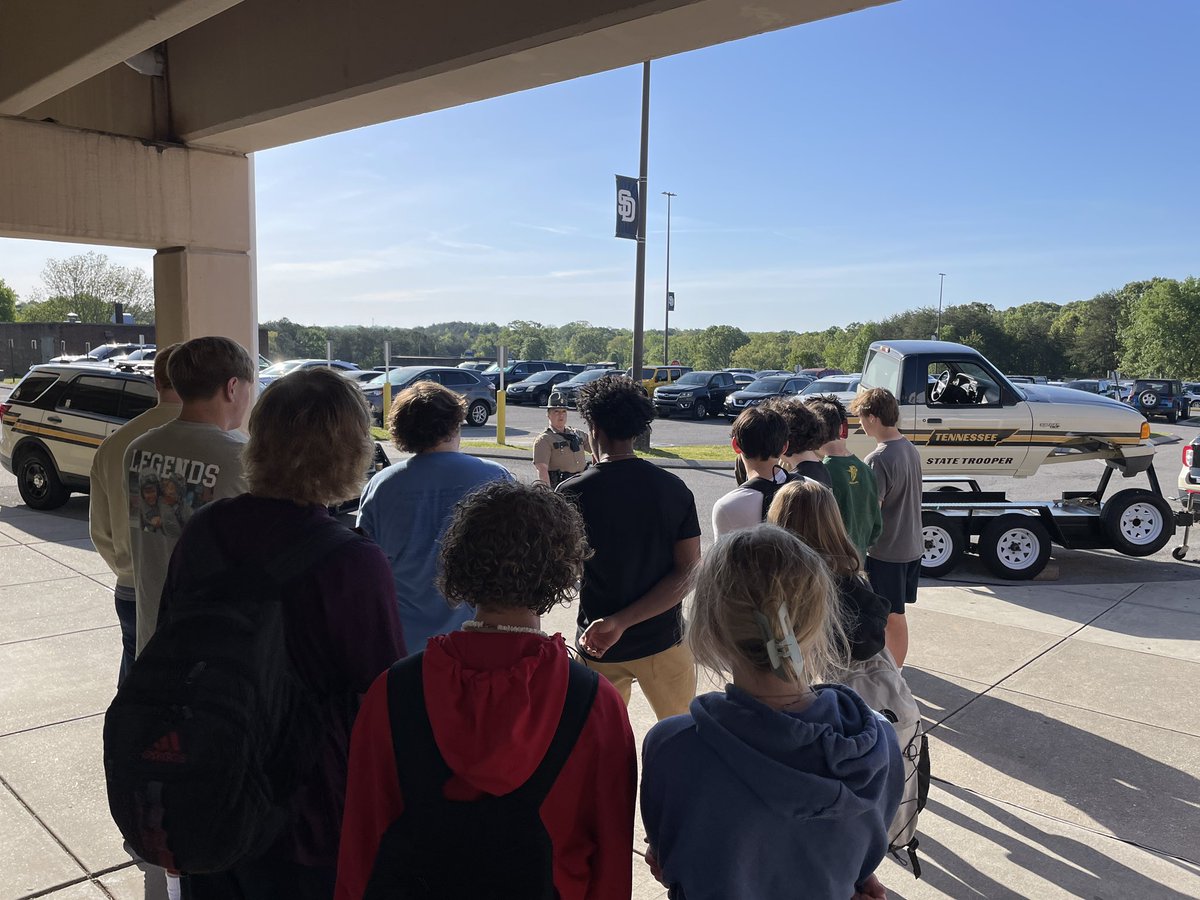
(700, 410)
(1015, 547)
(1137, 522)
(1172, 417)
(38, 482)
(943, 542)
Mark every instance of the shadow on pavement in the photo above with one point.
(1134, 796)
(1076, 867)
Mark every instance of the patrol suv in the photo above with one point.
(56, 418)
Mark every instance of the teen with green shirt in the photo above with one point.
(851, 479)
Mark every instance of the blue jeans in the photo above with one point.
(126, 605)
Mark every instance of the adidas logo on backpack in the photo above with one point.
(165, 750)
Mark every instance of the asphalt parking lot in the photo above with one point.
(709, 484)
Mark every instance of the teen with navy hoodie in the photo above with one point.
(777, 786)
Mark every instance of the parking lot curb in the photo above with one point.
(1157, 439)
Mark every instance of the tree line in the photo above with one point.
(1146, 328)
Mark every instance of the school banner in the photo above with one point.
(627, 207)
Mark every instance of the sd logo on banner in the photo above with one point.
(627, 207)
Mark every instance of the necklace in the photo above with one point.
(476, 625)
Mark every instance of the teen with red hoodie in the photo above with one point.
(494, 694)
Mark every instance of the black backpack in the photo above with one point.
(213, 730)
(769, 487)
(420, 856)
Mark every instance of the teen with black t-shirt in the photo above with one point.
(645, 535)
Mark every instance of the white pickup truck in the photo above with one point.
(968, 420)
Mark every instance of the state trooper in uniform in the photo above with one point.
(560, 451)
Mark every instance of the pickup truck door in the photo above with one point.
(972, 423)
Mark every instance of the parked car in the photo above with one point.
(699, 394)
(767, 373)
(734, 371)
(1191, 391)
(821, 372)
(269, 374)
(536, 388)
(101, 354)
(1160, 397)
(480, 393)
(771, 386)
(1091, 385)
(518, 370)
(54, 420)
(1027, 379)
(654, 377)
(844, 387)
(743, 379)
(569, 389)
(359, 376)
(475, 365)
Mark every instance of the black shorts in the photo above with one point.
(896, 582)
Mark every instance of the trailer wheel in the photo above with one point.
(1015, 547)
(1137, 522)
(943, 544)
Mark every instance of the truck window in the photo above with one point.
(882, 370)
(960, 383)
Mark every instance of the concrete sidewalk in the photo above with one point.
(1066, 744)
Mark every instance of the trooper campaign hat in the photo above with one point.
(556, 400)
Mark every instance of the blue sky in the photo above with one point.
(1031, 150)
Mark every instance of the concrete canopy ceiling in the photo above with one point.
(246, 75)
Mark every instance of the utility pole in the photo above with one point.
(941, 283)
(639, 296)
(667, 297)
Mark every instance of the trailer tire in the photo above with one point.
(1015, 547)
(1137, 522)
(943, 543)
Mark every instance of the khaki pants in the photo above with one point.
(668, 679)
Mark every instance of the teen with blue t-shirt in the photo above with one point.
(802, 778)
(406, 507)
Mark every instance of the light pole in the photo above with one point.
(667, 294)
(941, 282)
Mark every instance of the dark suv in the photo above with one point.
(1159, 397)
(700, 394)
(518, 370)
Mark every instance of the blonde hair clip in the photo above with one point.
(781, 650)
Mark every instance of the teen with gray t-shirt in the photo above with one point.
(894, 561)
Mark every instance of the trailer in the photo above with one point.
(1013, 538)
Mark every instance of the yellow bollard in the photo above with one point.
(387, 400)
(500, 417)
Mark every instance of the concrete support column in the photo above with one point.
(200, 292)
(203, 290)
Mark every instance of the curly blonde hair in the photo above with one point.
(512, 546)
(760, 570)
(310, 439)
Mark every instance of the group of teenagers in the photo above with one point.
(444, 713)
